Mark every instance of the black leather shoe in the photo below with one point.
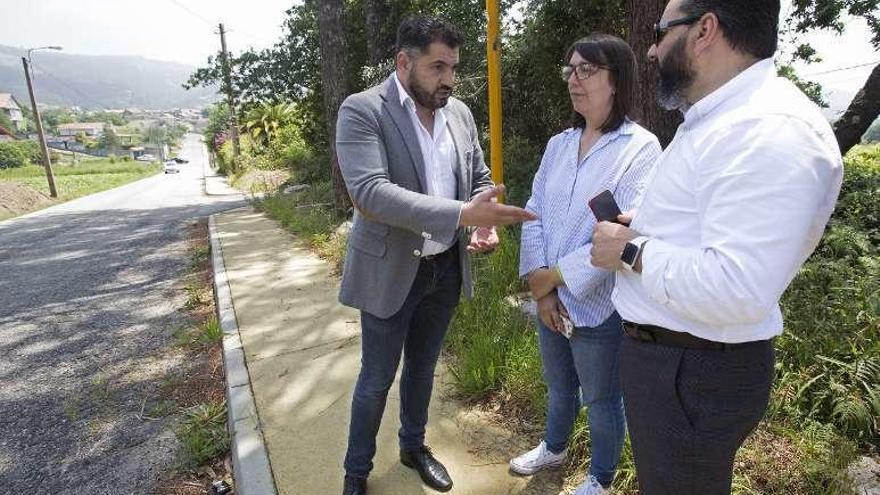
(432, 472)
(354, 486)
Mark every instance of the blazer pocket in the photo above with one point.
(368, 242)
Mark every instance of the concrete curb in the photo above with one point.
(250, 460)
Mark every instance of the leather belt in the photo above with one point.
(664, 336)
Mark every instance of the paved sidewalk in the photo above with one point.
(302, 353)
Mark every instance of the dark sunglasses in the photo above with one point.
(661, 28)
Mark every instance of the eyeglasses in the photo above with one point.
(661, 28)
(583, 70)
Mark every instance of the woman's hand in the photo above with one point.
(548, 311)
(542, 281)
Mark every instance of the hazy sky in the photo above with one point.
(185, 31)
(175, 30)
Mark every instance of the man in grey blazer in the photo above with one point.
(412, 162)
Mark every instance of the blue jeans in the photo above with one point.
(588, 361)
(416, 330)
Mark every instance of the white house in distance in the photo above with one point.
(90, 129)
(10, 107)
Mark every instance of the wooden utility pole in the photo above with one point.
(227, 79)
(47, 164)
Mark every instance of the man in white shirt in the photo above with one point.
(738, 202)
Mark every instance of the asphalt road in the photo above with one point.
(89, 292)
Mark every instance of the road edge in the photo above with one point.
(251, 468)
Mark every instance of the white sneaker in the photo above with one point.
(536, 459)
(591, 486)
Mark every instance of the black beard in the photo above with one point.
(674, 76)
(423, 97)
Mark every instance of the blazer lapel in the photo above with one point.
(463, 153)
(403, 122)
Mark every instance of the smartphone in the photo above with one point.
(567, 326)
(604, 207)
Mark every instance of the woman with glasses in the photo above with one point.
(578, 330)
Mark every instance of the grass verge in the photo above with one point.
(74, 181)
(307, 215)
(197, 392)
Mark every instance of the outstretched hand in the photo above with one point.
(483, 240)
(483, 210)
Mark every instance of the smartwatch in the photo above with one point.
(632, 251)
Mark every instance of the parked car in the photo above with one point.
(171, 167)
(177, 159)
(146, 157)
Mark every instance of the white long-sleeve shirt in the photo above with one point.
(737, 203)
(438, 152)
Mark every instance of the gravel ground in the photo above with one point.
(89, 296)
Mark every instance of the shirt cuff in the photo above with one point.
(558, 273)
(655, 258)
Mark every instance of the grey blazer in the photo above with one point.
(384, 171)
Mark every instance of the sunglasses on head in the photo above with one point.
(661, 28)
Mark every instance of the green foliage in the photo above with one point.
(305, 163)
(6, 122)
(203, 434)
(310, 216)
(210, 331)
(15, 154)
(265, 121)
(830, 352)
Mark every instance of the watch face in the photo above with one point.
(629, 253)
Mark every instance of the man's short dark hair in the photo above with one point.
(418, 31)
(618, 58)
(750, 26)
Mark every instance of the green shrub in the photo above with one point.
(15, 154)
(290, 150)
(829, 354)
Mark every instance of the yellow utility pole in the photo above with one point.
(493, 48)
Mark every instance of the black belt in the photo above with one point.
(663, 336)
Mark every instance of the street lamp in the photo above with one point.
(47, 164)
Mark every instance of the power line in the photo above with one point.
(212, 23)
(842, 69)
(192, 12)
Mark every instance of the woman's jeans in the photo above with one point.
(588, 361)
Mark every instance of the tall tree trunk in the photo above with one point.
(331, 29)
(862, 112)
(379, 40)
(641, 16)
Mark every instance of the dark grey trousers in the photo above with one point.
(688, 411)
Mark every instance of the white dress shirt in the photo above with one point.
(737, 203)
(438, 152)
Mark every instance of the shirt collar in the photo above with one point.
(401, 92)
(744, 82)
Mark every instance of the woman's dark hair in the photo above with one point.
(419, 31)
(614, 54)
(750, 26)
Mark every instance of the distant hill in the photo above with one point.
(96, 82)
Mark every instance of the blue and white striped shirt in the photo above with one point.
(620, 162)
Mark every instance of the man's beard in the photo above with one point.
(425, 98)
(674, 76)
